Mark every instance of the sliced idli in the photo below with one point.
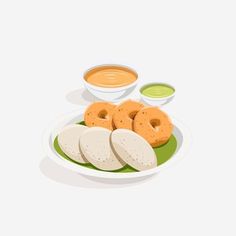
(95, 146)
(133, 149)
(68, 140)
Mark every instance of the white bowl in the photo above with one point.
(110, 94)
(180, 133)
(156, 101)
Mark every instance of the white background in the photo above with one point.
(45, 46)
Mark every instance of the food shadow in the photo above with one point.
(62, 175)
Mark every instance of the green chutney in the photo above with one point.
(157, 90)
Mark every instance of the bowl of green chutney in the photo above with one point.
(157, 94)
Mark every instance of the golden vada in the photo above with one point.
(153, 125)
(100, 114)
(124, 114)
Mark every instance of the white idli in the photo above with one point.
(133, 149)
(95, 146)
(68, 140)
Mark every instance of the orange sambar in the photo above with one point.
(110, 76)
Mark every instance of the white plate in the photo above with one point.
(180, 132)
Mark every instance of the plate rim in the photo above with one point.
(53, 155)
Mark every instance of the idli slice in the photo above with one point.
(95, 146)
(68, 140)
(133, 149)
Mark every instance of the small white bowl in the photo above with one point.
(156, 101)
(110, 94)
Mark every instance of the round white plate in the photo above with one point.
(180, 132)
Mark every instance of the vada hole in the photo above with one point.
(155, 123)
(103, 114)
(132, 114)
